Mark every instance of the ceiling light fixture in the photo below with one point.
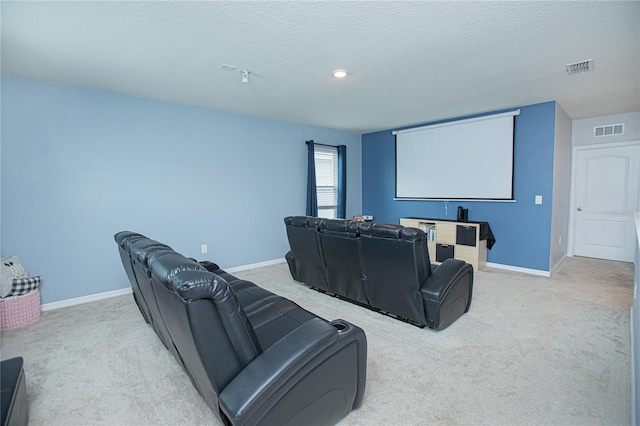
(340, 73)
(244, 73)
(245, 76)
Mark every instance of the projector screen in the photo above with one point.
(459, 160)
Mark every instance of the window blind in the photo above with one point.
(327, 176)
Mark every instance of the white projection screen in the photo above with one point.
(458, 160)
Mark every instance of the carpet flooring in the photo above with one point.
(531, 351)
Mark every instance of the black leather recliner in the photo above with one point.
(255, 357)
(392, 257)
(383, 266)
(126, 238)
(339, 246)
(140, 249)
(309, 262)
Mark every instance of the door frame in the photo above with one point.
(572, 190)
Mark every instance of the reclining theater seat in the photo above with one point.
(401, 279)
(124, 239)
(140, 251)
(383, 266)
(255, 357)
(141, 247)
(163, 265)
(339, 247)
(396, 262)
(307, 265)
(262, 307)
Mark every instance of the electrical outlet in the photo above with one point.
(203, 248)
(538, 199)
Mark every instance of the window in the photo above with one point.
(326, 159)
(326, 180)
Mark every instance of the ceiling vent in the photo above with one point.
(608, 130)
(580, 67)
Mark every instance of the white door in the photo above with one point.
(606, 191)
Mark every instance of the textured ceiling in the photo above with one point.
(409, 62)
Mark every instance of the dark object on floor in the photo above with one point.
(14, 402)
(255, 357)
(381, 266)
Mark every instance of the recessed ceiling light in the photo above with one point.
(340, 73)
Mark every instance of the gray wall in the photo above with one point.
(582, 132)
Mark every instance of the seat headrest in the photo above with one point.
(123, 238)
(164, 265)
(315, 222)
(391, 231)
(413, 234)
(141, 249)
(339, 225)
(303, 221)
(300, 221)
(199, 284)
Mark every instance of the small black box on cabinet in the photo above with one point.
(443, 252)
(466, 235)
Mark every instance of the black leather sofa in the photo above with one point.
(255, 357)
(384, 267)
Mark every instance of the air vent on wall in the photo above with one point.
(608, 130)
(580, 67)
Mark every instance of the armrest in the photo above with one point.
(209, 266)
(291, 261)
(438, 284)
(266, 374)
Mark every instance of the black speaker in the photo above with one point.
(463, 214)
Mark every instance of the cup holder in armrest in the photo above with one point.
(340, 325)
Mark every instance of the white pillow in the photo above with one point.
(10, 268)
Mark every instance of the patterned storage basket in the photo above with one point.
(18, 311)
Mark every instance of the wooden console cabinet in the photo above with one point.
(445, 239)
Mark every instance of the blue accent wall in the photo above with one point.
(522, 229)
(79, 165)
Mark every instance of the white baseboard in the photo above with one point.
(255, 265)
(123, 291)
(85, 299)
(558, 264)
(519, 269)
